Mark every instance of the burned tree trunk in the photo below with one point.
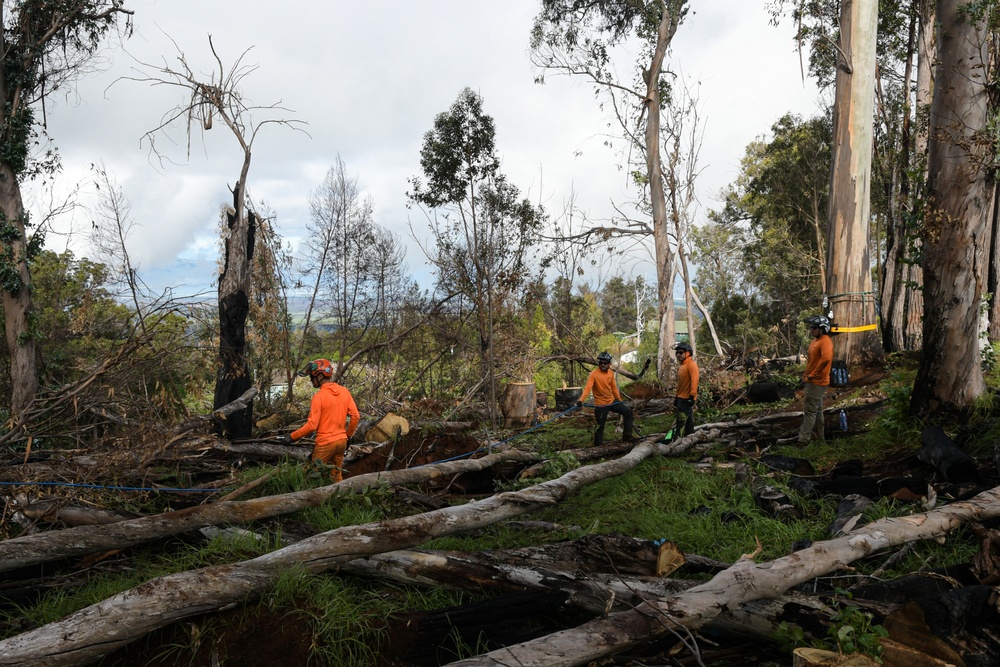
(233, 377)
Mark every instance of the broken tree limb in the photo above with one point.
(743, 582)
(53, 545)
(99, 629)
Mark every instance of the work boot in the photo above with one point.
(598, 438)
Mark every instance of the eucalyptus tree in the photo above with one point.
(579, 39)
(484, 233)
(956, 226)
(904, 31)
(43, 46)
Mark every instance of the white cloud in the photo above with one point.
(368, 79)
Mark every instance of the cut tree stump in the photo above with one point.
(518, 404)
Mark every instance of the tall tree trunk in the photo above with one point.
(956, 231)
(16, 288)
(669, 21)
(233, 377)
(849, 283)
(993, 267)
(894, 286)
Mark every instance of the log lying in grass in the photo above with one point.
(594, 591)
(57, 544)
(94, 631)
(744, 582)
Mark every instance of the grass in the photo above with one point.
(704, 510)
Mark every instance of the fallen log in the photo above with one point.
(598, 553)
(594, 592)
(94, 631)
(743, 582)
(57, 544)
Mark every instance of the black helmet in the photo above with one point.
(686, 347)
(820, 321)
(604, 357)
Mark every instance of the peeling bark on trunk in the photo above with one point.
(54, 545)
(99, 629)
(956, 233)
(745, 581)
(849, 282)
(17, 302)
(661, 234)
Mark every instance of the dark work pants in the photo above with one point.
(685, 417)
(601, 413)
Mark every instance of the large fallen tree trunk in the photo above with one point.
(595, 592)
(743, 582)
(57, 544)
(90, 633)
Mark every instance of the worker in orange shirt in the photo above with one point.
(816, 378)
(331, 406)
(606, 398)
(687, 391)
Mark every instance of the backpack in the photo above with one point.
(838, 373)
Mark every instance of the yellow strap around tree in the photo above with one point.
(867, 327)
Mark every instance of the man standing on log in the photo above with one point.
(687, 391)
(606, 398)
(816, 378)
(328, 413)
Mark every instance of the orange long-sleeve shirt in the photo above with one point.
(328, 412)
(819, 361)
(687, 379)
(604, 386)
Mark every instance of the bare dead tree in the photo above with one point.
(221, 95)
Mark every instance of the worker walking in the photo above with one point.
(329, 411)
(816, 378)
(687, 391)
(607, 398)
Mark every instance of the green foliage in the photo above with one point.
(759, 258)
(849, 630)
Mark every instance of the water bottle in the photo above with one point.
(843, 420)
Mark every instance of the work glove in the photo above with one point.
(579, 405)
(284, 439)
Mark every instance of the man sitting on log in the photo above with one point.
(606, 398)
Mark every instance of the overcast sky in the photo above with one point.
(367, 79)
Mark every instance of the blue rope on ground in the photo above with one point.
(485, 449)
(108, 488)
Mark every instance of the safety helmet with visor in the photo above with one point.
(683, 347)
(820, 322)
(604, 358)
(320, 368)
